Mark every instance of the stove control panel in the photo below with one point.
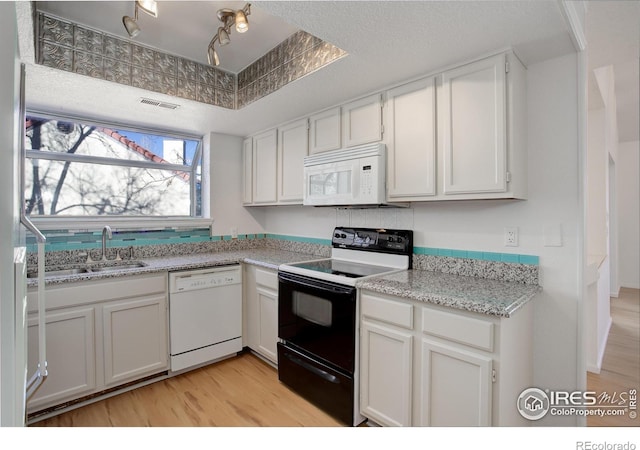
(374, 239)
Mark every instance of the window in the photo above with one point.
(79, 169)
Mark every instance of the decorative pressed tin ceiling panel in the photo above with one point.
(68, 46)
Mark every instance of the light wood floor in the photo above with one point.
(238, 392)
(245, 391)
(621, 364)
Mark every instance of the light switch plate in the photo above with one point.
(552, 235)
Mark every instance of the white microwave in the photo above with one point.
(346, 177)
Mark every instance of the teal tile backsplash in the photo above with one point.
(65, 240)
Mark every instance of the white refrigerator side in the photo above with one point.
(12, 331)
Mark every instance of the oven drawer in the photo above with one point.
(327, 388)
(389, 311)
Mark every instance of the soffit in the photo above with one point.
(387, 43)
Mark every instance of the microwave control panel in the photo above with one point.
(370, 181)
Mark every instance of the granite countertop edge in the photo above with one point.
(489, 297)
(269, 259)
(480, 301)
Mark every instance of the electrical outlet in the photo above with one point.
(511, 236)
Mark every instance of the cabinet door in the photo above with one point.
(410, 118)
(325, 131)
(473, 116)
(268, 323)
(456, 386)
(362, 121)
(265, 167)
(247, 171)
(71, 357)
(135, 338)
(293, 146)
(385, 374)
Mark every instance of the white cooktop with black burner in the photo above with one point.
(358, 253)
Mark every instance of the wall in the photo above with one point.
(8, 234)
(225, 163)
(478, 225)
(628, 176)
(597, 189)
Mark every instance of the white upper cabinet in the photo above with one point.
(474, 127)
(362, 121)
(247, 171)
(410, 118)
(293, 146)
(265, 167)
(456, 135)
(480, 111)
(324, 131)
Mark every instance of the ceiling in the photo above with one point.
(182, 28)
(387, 42)
(613, 38)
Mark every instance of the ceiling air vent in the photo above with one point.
(158, 103)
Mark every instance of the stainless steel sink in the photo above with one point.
(123, 266)
(108, 267)
(59, 272)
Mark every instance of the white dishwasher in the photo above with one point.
(205, 315)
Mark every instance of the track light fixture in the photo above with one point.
(229, 18)
(131, 24)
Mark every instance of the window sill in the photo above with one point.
(119, 223)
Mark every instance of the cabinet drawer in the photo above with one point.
(267, 278)
(389, 311)
(458, 328)
(94, 291)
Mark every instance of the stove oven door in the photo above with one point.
(318, 318)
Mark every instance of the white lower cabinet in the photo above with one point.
(71, 355)
(428, 365)
(261, 297)
(100, 334)
(135, 338)
(386, 365)
(456, 386)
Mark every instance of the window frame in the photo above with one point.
(78, 222)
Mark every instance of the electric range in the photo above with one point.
(318, 315)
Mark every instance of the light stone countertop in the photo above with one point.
(485, 296)
(267, 258)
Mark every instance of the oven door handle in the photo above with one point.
(321, 373)
(314, 284)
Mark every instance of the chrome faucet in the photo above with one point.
(106, 233)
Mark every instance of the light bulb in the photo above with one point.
(242, 24)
